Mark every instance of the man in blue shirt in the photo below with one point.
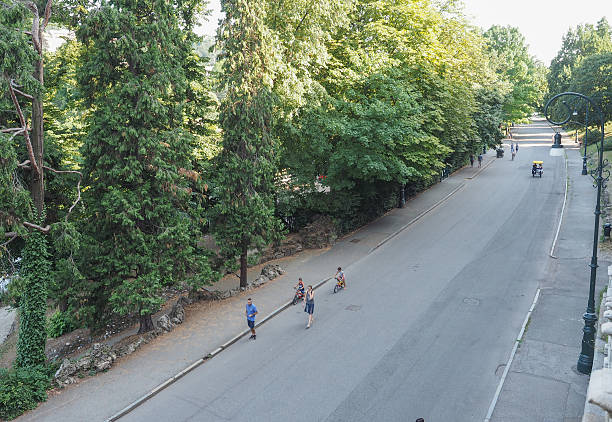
(250, 313)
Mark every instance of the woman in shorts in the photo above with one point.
(309, 300)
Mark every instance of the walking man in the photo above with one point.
(472, 160)
(479, 160)
(250, 313)
(516, 147)
(309, 300)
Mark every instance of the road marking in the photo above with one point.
(509, 363)
(481, 169)
(552, 249)
(417, 218)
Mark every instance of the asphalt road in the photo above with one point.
(424, 328)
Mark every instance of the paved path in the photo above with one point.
(7, 320)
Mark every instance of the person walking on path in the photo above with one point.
(516, 147)
(479, 160)
(250, 313)
(472, 160)
(309, 301)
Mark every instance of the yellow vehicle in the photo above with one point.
(537, 169)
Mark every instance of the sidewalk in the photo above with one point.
(209, 325)
(543, 384)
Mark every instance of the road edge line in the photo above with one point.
(554, 244)
(481, 169)
(415, 219)
(138, 402)
(511, 359)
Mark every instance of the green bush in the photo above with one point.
(60, 323)
(21, 389)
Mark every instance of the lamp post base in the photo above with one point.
(585, 360)
(557, 146)
(584, 166)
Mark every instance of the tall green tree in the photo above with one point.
(522, 75)
(143, 231)
(357, 137)
(578, 43)
(24, 163)
(593, 77)
(244, 213)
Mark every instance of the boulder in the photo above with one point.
(66, 369)
(271, 271)
(177, 315)
(164, 323)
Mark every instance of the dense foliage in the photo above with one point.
(144, 216)
(244, 212)
(35, 270)
(21, 389)
(584, 65)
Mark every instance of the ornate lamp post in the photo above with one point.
(585, 360)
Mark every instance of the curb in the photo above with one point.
(481, 169)
(518, 340)
(202, 360)
(554, 244)
(417, 218)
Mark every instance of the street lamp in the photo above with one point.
(586, 130)
(585, 360)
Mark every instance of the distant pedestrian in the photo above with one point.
(516, 147)
(309, 301)
(479, 160)
(512, 148)
(472, 160)
(250, 313)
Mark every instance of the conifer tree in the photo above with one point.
(244, 214)
(137, 155)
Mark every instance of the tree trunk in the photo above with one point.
(243, 267)
(37, 137)
(146, 324)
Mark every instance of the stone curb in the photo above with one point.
(200, 361)
(421, 215)
(554, 244)
(417, 218)
(481, 169)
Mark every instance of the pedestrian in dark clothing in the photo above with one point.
(479, 160)
(517, 147)
(250, 313)
(472, 160)
(309, 300)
